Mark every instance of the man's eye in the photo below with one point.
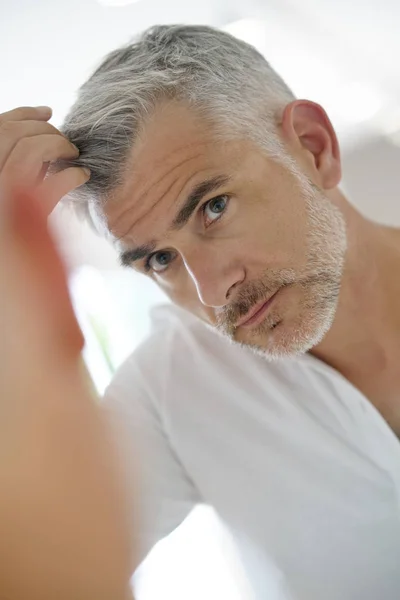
(214, 209)
(160, 261)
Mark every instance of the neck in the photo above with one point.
(364, 339)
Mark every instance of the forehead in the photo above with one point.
(175, 150)
(173, 130)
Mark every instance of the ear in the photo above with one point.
(306, 126)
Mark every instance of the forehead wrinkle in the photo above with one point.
(184, 184)
(155, 183)
(151, 208)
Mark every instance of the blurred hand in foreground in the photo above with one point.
(63, 507)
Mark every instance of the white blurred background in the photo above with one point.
(341, 53)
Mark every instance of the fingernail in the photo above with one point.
(44, 110)
(86, 171)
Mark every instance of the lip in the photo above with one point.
(256, 314)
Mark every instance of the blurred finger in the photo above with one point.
(46, 279)
(63, 509)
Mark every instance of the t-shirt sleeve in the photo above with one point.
(163, 492)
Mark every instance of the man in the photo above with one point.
(211, 178)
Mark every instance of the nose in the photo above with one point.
(215, 276)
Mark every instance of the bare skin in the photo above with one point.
(257, 228)
(63, 508)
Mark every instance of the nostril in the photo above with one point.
(233, 287)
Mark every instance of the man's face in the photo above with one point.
(241, 241)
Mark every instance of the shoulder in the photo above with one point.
(176, 339)
(184, 358)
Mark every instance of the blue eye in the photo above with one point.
(159, 261)
(215, 208)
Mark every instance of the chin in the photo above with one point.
(288, 336)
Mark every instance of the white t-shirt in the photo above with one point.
(296, 462)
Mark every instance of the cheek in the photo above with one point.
(278, 231)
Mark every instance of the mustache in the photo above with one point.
(261, 290)
(250, 295)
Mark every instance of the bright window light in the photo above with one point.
(116, 2)
(251, 31)
(309, 74)
(358, 102)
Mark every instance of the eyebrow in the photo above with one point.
(129, 256)
(195, 197)
(193, 200)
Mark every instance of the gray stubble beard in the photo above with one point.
(321, 284)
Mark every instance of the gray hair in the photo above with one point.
(224, 78)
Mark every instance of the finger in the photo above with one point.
(46, 278)
(23, 113)
(25, 162)
(11, 132)
(59, 185)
